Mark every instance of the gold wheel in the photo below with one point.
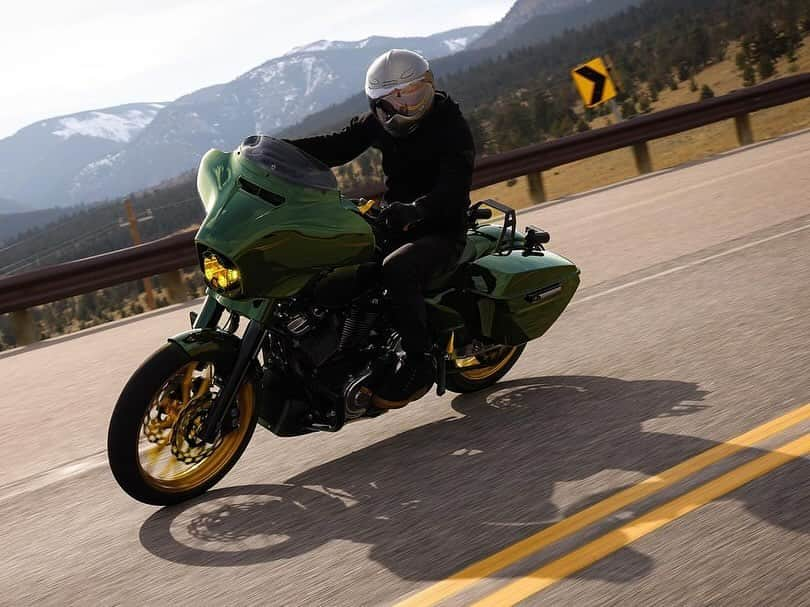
(171, 458)
(492, 361)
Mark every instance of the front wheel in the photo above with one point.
(153, 442)
(482, 371)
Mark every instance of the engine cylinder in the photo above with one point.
(357, 327)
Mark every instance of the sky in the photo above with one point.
(64, 57)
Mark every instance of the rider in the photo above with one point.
(427, 157)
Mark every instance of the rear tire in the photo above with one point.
(169, 392)
(497, 365)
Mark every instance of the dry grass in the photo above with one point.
(667, 152)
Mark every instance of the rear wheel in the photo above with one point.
(482, 371)
(154, 444)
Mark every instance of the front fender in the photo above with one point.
(225, 346)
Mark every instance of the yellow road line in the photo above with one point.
(576, 522)
(619, 538)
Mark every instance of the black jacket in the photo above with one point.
(431, 167)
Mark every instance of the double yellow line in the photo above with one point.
(624, 535)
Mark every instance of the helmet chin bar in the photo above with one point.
(395, 124)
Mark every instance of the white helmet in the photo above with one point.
(400, 90)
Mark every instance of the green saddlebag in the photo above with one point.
(520, 296)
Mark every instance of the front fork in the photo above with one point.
(209, 316)
(251, 343)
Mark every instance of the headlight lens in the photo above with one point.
(219, 274)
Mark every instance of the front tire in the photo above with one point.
(151, 444)
(484, 370)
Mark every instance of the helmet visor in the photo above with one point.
(409, 100)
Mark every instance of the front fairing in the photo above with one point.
(277, 232)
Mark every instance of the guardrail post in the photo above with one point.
(641, 152)
(26, 330)
(537, 190)
(745, 134)
(172, 282)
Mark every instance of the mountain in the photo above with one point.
(525, 31)
(10, 206)
(38, 161)
(521, 12)
(108, 153)
(14, 224)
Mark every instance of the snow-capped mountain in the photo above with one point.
(37, 161)
(123, 152)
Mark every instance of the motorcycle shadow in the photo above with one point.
(433, 498)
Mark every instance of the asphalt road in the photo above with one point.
(690, 329)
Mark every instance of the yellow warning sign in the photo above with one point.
(594, 83)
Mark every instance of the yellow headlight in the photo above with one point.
(218, 276)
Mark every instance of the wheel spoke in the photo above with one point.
(187, 382)
(207, 380)
(153, 454)
(490, 363)
(169, 465)
(467, 362)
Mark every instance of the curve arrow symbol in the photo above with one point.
(598, 82)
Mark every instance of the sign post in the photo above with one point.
(132, 222)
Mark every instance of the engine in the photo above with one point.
(342, 350)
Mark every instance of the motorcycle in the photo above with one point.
(283, 250)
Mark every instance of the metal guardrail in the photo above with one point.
(641, 129)
(64, 280)
(165, 255)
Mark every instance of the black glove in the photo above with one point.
(399, 217)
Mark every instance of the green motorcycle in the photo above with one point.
(281, 249)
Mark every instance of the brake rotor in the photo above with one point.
(159, 421)
(186, 440)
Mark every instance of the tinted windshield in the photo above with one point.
(288, 162)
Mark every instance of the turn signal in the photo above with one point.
(218, 275)
(367, 206)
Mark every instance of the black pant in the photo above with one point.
(406, 272)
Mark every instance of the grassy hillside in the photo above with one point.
(15, 223)
(722, 78)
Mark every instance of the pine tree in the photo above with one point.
(644, 104)
(742, 61)
(765, 66)
(479, 133)
(364, 162)
(545, 111)
(706, 92)
(629, 109)
(749, 76)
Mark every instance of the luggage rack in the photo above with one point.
(506, 239)
(535, 237)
